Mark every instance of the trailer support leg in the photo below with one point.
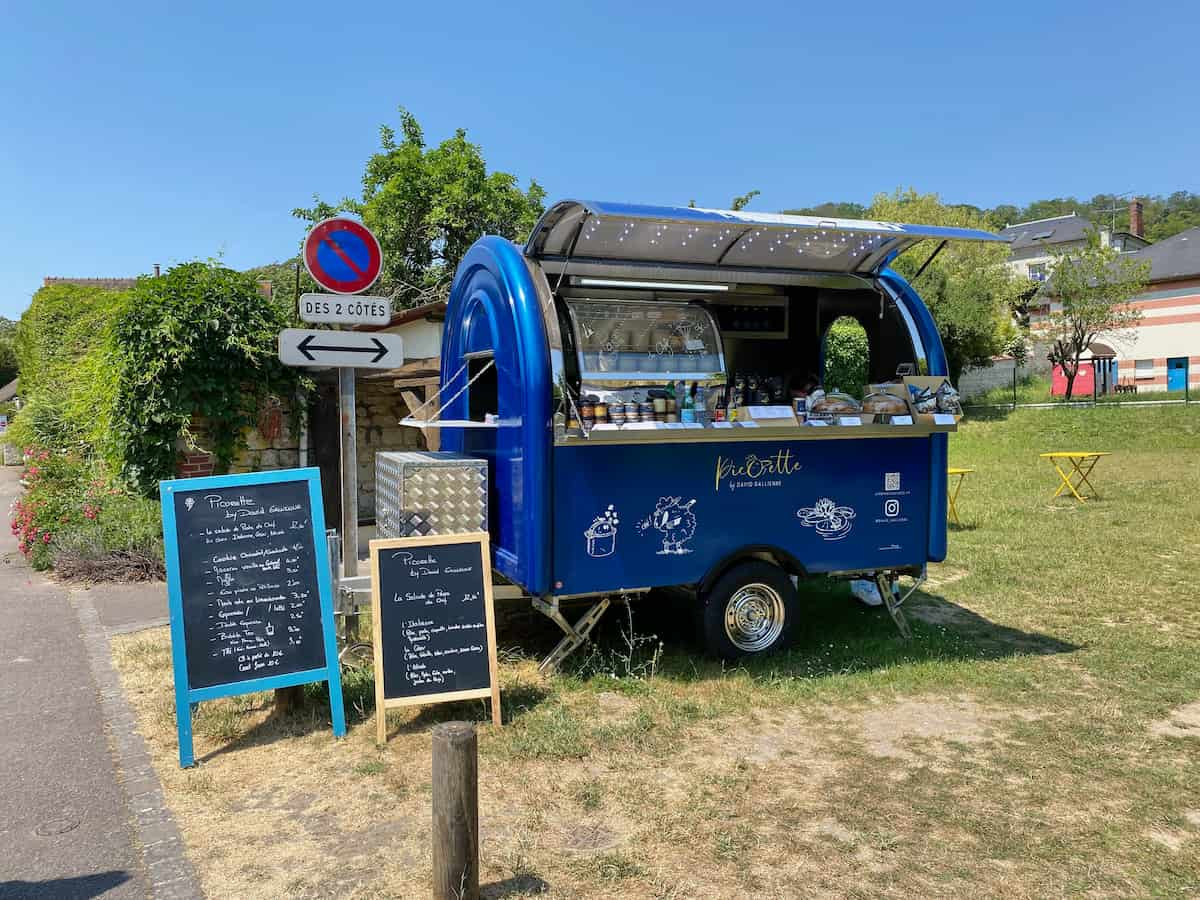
(576, 634)
(887, 590)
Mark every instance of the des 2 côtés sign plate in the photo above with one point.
(341, 309)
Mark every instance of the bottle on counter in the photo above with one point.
(687, 412)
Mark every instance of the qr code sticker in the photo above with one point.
(891, 481)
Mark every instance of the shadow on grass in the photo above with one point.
(517, 886)
(837, 637)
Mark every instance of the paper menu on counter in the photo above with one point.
(771, 412)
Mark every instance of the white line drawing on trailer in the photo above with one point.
(675, 520)
(832, 522)
(602, 534)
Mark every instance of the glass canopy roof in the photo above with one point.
(714, 238)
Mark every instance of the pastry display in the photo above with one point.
(827, 407)
(882, 406)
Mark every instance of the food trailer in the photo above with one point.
(639, 380)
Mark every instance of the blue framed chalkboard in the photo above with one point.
(249, 589)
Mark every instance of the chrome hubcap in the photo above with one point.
(754, 617)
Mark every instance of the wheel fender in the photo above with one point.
(766, 552)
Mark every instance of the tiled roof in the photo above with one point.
(1175, 257)
(1047, 232)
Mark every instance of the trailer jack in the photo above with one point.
(576, 634)
(888, 589)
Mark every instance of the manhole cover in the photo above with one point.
(51, 827)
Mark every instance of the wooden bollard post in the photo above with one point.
(455, 812)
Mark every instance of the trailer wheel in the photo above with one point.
(752, 609)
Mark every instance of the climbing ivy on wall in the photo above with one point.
(198, 341)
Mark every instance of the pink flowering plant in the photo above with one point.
(63, 492)
(71, 506)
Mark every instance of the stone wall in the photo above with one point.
(272, 444)
(380, 409)
(269, 445)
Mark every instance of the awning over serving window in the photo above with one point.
(716, 238)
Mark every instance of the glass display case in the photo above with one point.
(645, 342)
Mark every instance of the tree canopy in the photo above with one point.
(1162, 216)
(968, 288)
(428, 205)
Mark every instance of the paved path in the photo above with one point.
(70, 759)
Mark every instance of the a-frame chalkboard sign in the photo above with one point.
(434, 625)
(249, 589)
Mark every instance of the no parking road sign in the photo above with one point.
(342, 255)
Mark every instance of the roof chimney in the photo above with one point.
(156, 270)
(1135, 218)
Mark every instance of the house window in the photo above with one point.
(1037, 271)
(1143, 368)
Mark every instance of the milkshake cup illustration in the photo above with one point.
(602, 534)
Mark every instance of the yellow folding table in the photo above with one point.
(952, 491)
(1082, 463)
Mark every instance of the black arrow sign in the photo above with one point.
(380, 349)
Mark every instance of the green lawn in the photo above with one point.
(1033, 389)
(1039, 736)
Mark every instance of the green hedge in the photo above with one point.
(111, 381)
(846, 357)
(118, 376)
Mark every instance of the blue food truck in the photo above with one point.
(633, 377)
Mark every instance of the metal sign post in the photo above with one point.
(343, 256)
(347, 406)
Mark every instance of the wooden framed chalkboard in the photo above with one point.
(249, 589)
(435, 629)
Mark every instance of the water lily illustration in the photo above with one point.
(832, 522)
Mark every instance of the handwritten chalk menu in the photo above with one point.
(249, 585)
(246, 565)
(434, 626)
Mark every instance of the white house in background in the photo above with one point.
(1033, 243)
(1162, 353)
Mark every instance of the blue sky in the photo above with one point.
(135, 134)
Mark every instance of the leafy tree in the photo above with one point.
(831, 210)
(968, 288)
(740, 203)
(1089, 290)
(428, 205)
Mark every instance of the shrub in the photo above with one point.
(846, 357)
(54, 482)
(74, 517)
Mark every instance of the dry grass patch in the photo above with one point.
(1036, 738)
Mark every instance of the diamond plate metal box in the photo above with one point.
(425, 492)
